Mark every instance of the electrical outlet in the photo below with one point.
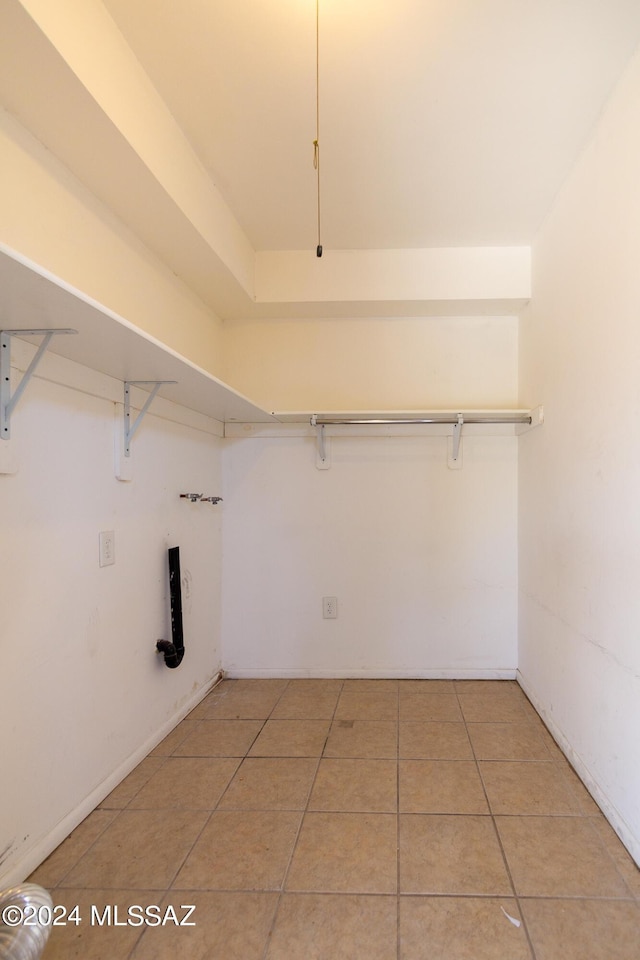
(107, 548)
(329, 608)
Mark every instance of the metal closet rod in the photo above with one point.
(322, 422)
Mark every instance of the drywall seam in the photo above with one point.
(581, 634)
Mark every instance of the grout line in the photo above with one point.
(118, 812)
(61, 880)
(608, 852)
(499, 839)
(297, 837)
(208, 819)
(279, 892)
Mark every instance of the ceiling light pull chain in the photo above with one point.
(316, 167)
(316, 142)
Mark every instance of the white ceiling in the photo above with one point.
(445, 126)
(442, 122)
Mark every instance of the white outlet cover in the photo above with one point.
(107, 554)
(330, 608)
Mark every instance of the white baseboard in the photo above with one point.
(246, 673)
(613, 815)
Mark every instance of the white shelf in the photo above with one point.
(32, 298)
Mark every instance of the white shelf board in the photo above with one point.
(30, 297)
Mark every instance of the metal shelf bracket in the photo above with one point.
(8, 403)
(457, 434)
(519, 418)
(323, 458)
(130, 429)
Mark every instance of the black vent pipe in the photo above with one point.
(174, 650)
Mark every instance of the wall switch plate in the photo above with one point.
(329, 608)
(107, 548)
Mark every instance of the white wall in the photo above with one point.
(389, 363)
(84, 694)
(421, 558)
(435, 274)
(579, 523)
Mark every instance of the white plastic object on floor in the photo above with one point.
(26, 914)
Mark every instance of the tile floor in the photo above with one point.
(339, 820)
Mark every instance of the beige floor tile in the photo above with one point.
(315, 685)
(166, 747)
(365, 739)
(189, 783)
(339, 861)
(141, 849)
(627, 868)
(240, 699)
(451, 855)
(441, 786)
(66, 855)
(241, 850)
(365, 786)
(357, 705)
(585, 801)
(371, 686)
(220, 691)
(558, 857)
(434, 740)
(271, 783)
(299, 704)
(201, 711)
(119, 798)
(529, 709)
(551, 745)
(291, 738)
(242, 705)
(345, 853)
(426, 686)
(91, 939)
(229, 926)
(429, 706)
(527, 787)
(261, 685)
(329, 927)
(478, 708)
(220, 738)
(494, 688)
(583, 929)
(507, 741)
(451, 928)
